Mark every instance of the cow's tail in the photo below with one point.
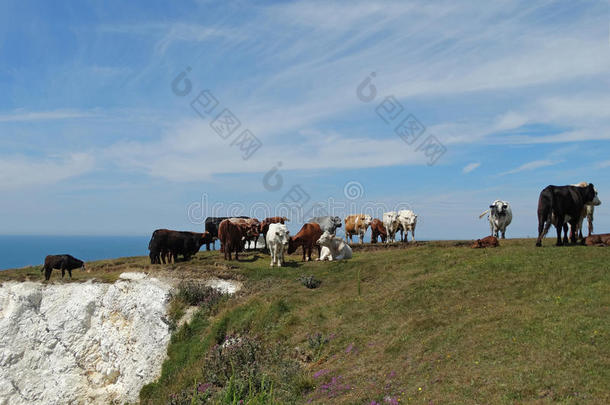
(483, 214)
(545, 215)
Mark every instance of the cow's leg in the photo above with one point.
(412, 234)
(272, 253)
(503, 233)
(559, 227)
(566, 240)
(574, 225)
(63, 271)
(47, 273)
(70, 274)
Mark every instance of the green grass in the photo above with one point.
(434, 322)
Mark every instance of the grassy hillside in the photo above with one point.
(436, 323)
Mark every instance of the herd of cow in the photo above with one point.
(565, 207)
(561, 206)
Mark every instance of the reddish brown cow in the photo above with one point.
(488, 241)
(252, 227)
(378, 230)
(268, 221)
(598, 240)
(306, 238)
(230, 235)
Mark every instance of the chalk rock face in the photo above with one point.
(81, 343)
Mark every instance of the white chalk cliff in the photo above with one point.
(81, 343)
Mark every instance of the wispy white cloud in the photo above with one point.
(24, 116)
(22, 171)
(470, 167)
(536, 164)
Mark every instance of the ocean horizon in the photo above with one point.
(18, 251)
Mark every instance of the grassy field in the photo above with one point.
(435, 323)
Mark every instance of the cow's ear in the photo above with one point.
(491, 206)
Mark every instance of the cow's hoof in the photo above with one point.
(538, 244)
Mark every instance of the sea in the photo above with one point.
(21, 250)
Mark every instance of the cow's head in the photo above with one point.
(325, 239)
(499, 208)
(367, 220)
(336, 221)
(596, 200)
(477, 244)
(281, 233)
(292, 245)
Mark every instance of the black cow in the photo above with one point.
(211, 226)
(63, 262)
(560, 205)
(166, 245)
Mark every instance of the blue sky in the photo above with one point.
(94, 141)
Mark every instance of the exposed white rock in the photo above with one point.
(225, 286)
(81, 343)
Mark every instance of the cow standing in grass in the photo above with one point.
(356, 225)
(305, 238)
(391, 223)
(62, 262)
(559, 205)
(231, 235)
(407, 221)
(378, 231)
(267, 222)
(277, 241)
(500, 216)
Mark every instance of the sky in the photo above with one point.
(118, 118)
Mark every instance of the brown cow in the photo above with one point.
(378, 230)
(230, 234)
(252, 226)
(268, 221)
(356, 225)
(598, 240)
(307, 237)
(488, 241)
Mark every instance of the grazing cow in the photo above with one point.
(63, 262)
(598, 240)
(500, 216)
(356, 225)
(253, 227)
(165, 245)
(488, 241)
(565, 203)
(333, 248)
(277, 240)
(407, 220)
(211, 226)
(306, 238)
(588, 211)
(328, 223)
(268, 221)
(378, 230)
(230, 234)
(391, 223)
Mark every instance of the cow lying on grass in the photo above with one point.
(333, 248)
(598, 240)
(63, 262)
(488, 241)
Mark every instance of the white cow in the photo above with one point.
(277, 242)
(333, 247)
(390, 222)
(407, 220)
(588, 210)
(500, 216)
